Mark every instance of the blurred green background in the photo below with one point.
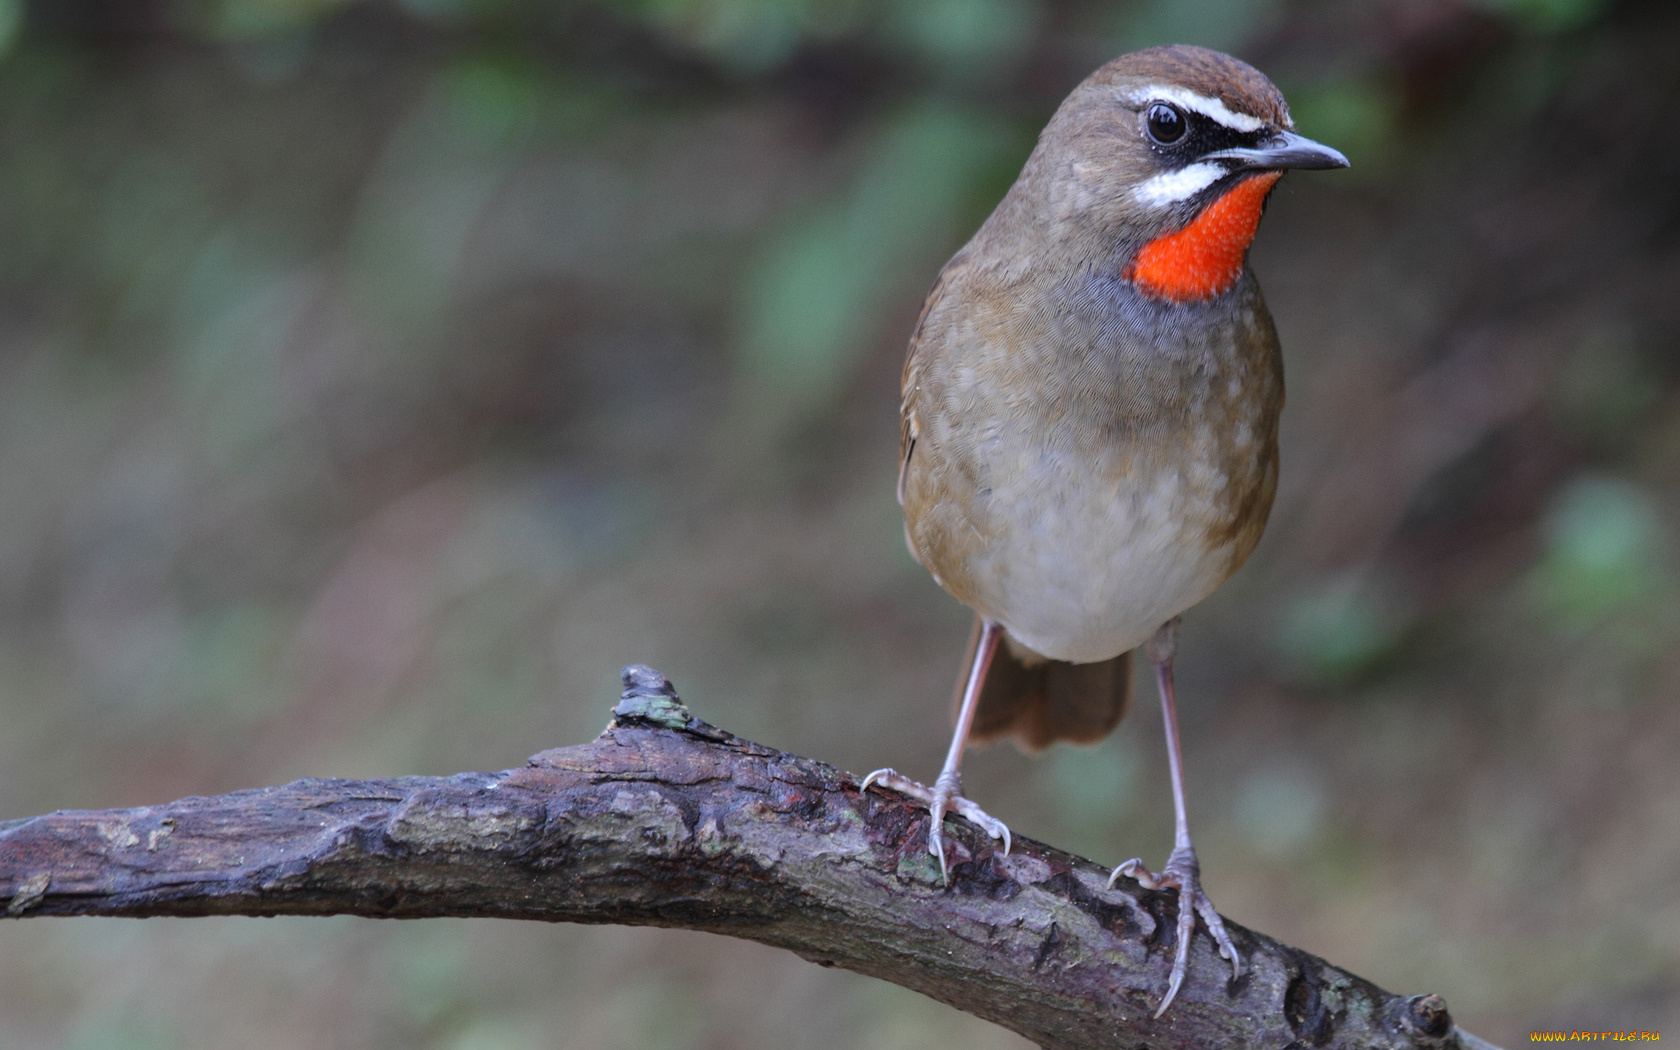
(377, 378)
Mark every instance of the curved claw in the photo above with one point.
(1135, 870)
(1183, 873)
(945, 796)
(992, 826)
(936, 841)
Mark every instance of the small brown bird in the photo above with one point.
(1090, 415)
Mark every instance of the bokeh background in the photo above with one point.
(377, 378)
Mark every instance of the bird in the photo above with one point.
(1089, 424)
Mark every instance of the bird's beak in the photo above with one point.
(1284, 149)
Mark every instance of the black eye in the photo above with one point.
(1166, 123)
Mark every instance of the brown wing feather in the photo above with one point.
(907, 423)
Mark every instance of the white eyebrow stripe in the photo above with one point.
(1211, 108)
(1170, 187)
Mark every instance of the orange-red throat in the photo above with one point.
(1206, 257)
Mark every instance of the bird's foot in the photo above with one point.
(1184, 874)
(944, 796)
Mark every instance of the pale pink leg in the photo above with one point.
(1183, 871)
(946, 793)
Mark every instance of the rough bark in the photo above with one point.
(666, 821)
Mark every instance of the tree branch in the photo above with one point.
(664, 820)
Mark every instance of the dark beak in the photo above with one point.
(1284, 149)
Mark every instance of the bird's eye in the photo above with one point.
(1166, 123)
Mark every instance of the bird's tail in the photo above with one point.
(1039, 701)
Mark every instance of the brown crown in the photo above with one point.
(1212, 73)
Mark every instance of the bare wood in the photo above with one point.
(664, 820)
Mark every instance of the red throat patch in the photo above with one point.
(1206, 257)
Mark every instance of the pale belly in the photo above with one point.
(1083, 569)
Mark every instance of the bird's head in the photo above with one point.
(1163, 159)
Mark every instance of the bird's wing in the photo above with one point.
(909, 425)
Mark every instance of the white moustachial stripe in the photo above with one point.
(1169, 187)
(1211, 108)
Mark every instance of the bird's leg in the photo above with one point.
(1183, 871)
(946, 793)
